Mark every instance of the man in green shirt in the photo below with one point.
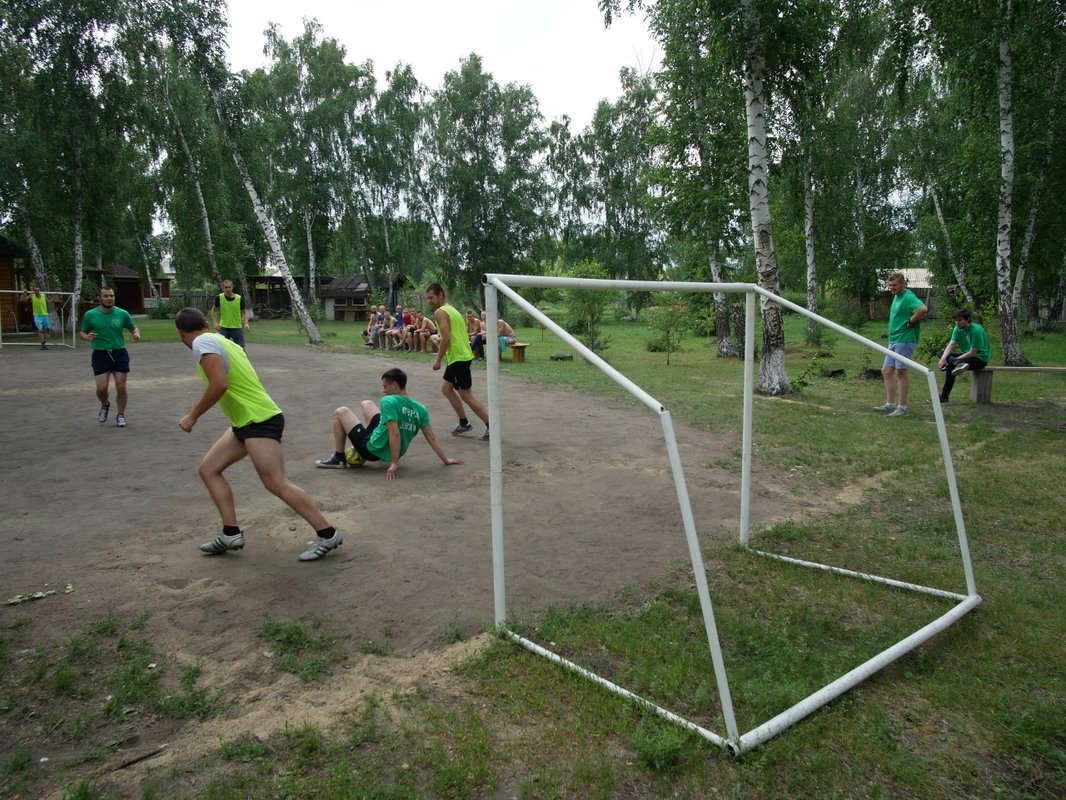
(102, 327)
(904, 326)
(971, 341)
(387, 432)
(257, 425)
(455, 346)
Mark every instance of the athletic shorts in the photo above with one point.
(905, 349)
(267, 429)
(359, 436)
(233, 334)
(458, 375)
(105, 361)
(43, 322)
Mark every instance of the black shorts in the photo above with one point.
(267, 429)
(359, 435)
(233, 334)
(458, 375)
(111, 361)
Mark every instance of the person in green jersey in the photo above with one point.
(388, 430)
(455, 347)
(257, 425)
(233, 321)
(102, 327)
(904, 326)
(971, 341)
(42, 320)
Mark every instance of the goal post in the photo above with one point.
(733, 739)
(60, 312)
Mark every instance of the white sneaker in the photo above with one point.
(901, 411)
(120, 420)
(885, 407)
(320, 548)
(960, 368)
(222, 543)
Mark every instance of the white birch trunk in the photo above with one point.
(39, 273)
(1008, 310)
(79, 245)
(194, 179)
(271, 234)
(956, 269)
(1059, 306)
(309, 224)
(1038, 194)
(721, 308)
(773, 377)
(813, 328)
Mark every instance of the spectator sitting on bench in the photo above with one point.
(424, 332)
(504, 333)
(972, 342)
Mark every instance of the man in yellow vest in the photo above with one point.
(234, 319)
(455, 346)
(257, 424)
(42, 320)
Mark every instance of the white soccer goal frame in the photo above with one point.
(733, 739)
(60, 314)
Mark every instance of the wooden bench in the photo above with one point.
(518, 352)
(981, 386)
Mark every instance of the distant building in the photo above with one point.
(346, 298)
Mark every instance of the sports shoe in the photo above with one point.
(102, 416)
(960, 368)
(221, 543)
(901, 411)
(943, 401)
(485, 436)
(120, 420)
(332, 462)
(885, 407)
(44, 346)
(321, 547)
(461, 428)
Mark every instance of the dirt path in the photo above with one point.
(118, 513)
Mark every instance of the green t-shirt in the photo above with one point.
(974, 338)
(245, 400)
(409, 415)
(40, 304)
(230, 315)
(459, 346)
(108, 327)
(904, 305)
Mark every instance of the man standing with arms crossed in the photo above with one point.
(234, 314)
(102, 327)
(257, 424)
(904, 325)
(455, 346)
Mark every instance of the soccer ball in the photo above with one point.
(354, 457)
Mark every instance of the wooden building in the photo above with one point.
(9, 251)
(346, 298)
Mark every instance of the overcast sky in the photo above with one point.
(560, 48)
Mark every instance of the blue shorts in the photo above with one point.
(271, 428)
(111, 361)
(43, 322)
(905, 349)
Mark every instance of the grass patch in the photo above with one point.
(309, 656)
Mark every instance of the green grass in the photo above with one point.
(977, 712)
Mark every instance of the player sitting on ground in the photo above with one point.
(388, 430)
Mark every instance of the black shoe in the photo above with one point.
(332, 463)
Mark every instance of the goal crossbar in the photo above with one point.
(733, 740)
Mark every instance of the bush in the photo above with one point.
(166, 309)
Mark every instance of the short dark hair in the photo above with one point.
(436, 288)
(397, 376)
(962, 313)
(190, 320)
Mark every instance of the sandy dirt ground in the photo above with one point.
(118, 514)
